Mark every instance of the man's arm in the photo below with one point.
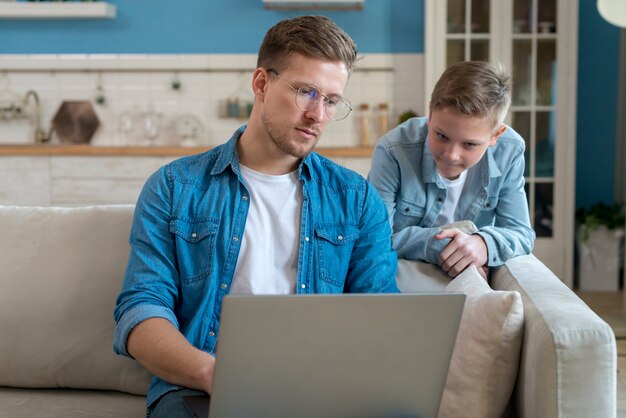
(147, 327)
(164, 351)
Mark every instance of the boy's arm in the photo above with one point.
(511, 235)
(412, 242)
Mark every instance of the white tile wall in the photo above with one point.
(135, 84)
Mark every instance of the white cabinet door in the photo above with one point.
(537, 41)
(25, 181)
(89, 180)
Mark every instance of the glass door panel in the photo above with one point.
(522, 16)
(522, 72)
(521, 124)
(456, 16)
(479, 50)
(544, 209)
(546, 72)
(546, 16)
(455, 51)
(544, 144)
(480, 16)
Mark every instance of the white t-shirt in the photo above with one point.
(454, 188)
(268, 257)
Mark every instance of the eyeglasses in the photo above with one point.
(308, 98)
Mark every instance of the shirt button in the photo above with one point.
(235, 238)
(224, 286)
(303, 286)
(340, 237)
(193, 235)
(211, 334)
(245, 197)
(306, 239)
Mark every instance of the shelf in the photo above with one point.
(86, 150)
(57, 10)
(314, 4)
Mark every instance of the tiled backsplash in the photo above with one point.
(135, 84)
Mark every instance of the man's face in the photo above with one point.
(458, 141)
(293, 131)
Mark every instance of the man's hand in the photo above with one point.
(462, 251)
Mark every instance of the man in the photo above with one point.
(261, 213)
(461, 163)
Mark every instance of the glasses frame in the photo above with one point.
(297, 91)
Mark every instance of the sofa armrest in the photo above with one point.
(568, 362)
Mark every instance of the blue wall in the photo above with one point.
(208, 26)
(598, 64)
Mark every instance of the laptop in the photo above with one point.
(332, 356)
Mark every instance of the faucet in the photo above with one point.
(41, 136)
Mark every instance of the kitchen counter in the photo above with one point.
(86, 150)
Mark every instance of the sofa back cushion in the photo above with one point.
(60, 272)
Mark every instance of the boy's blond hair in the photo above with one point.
(474, 88)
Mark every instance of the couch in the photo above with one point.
(61, 269)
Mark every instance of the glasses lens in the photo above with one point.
(307, 98)
(339, 111)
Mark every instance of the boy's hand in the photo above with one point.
(462, 251)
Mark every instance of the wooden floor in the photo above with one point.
(610, 303)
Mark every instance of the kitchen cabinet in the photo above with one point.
(537, 41)
(79, 175)
(57, 10)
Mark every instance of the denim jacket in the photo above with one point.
(405, 174)
(185, 241)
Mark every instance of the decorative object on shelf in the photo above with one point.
(100, 98)
(151, 121)
(75, 122)
(238, 105)
(188, 129)
(10, 101)
(382, 119)
(176, 83)
(363, 124)
(406, 115)
(600, 238)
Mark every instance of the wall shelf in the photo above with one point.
(314, 4)
(57, 10)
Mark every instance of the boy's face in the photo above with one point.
(458, 141)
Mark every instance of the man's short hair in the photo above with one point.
(311, 36)
(474, 88)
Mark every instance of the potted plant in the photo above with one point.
(600, 239)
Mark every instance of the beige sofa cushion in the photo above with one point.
(485, 360)
(60, 272)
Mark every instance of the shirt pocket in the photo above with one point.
(195, 245)
(408, 214)
(334, 249)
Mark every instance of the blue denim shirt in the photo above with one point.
(185, 241)
(405, 174)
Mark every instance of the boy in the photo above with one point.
(461, 163)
